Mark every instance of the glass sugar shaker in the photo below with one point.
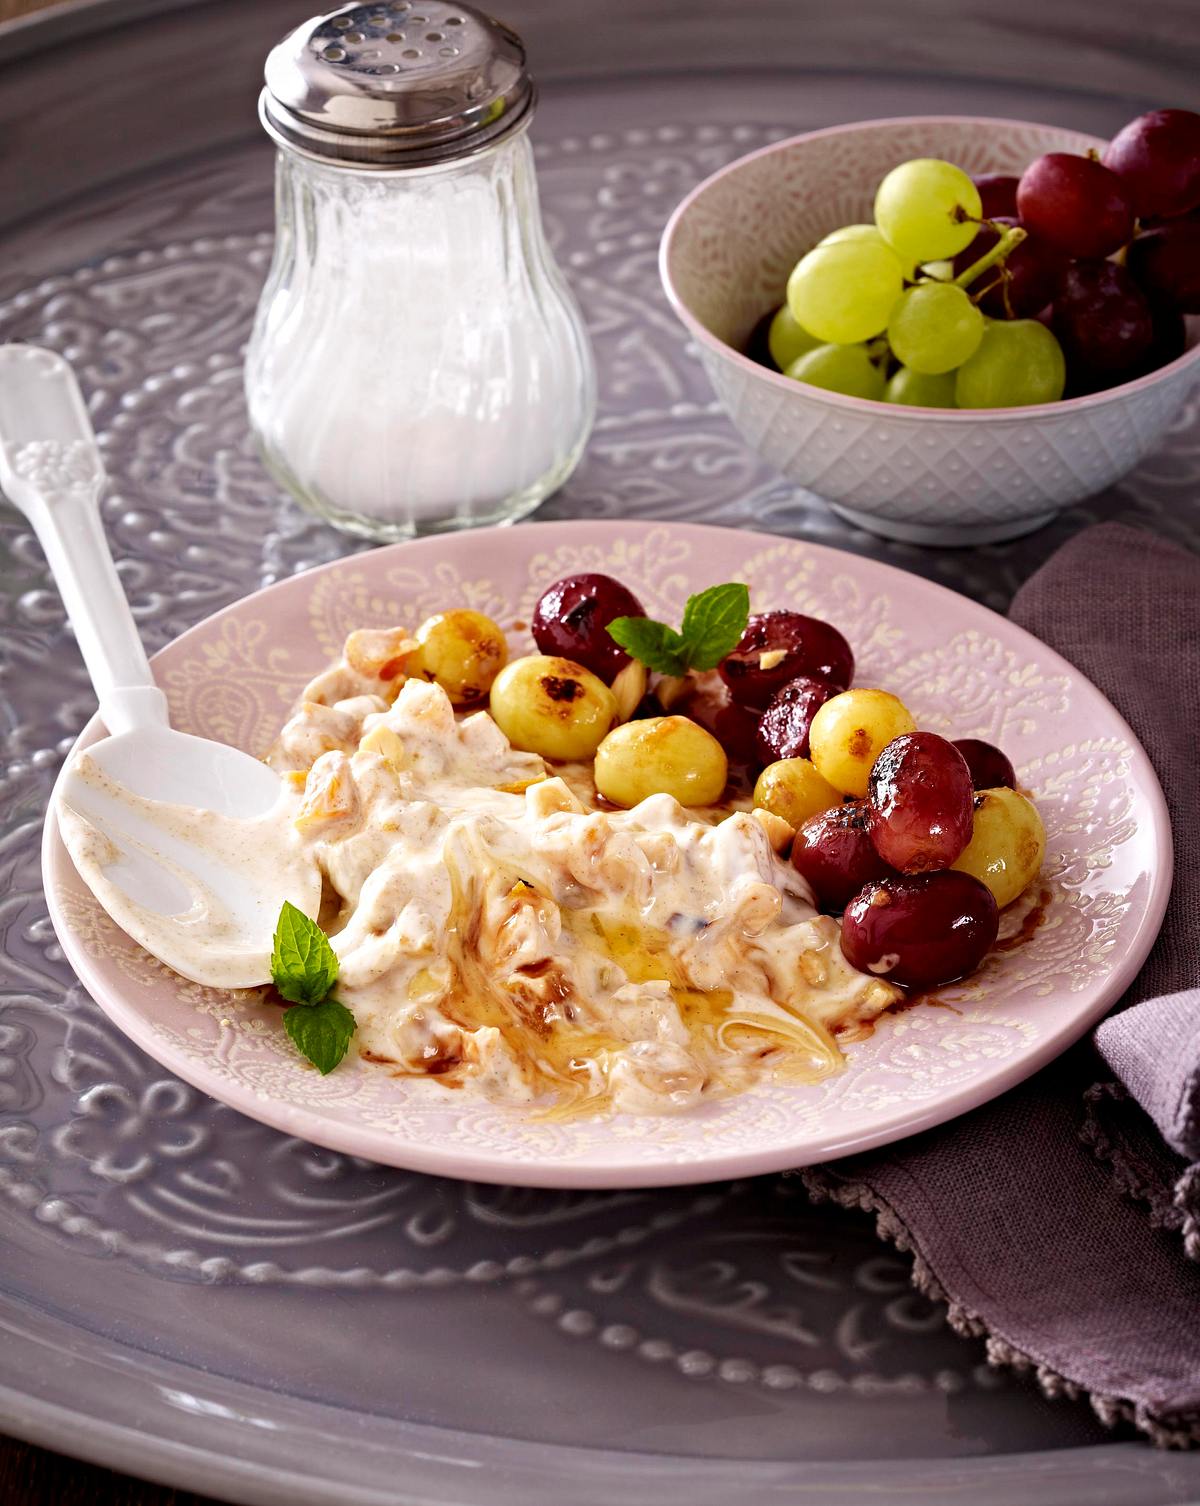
(417, 361)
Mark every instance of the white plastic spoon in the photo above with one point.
(178, 837)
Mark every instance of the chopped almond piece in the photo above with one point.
(383, 740)
(330, 793)
(519, 786)
(379, 652)
(629, 688)
(779, 831)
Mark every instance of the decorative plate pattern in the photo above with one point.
(1107, 871)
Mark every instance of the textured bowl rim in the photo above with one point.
(868, 406)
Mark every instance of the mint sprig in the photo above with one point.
(658, 647)
(712, 626)
(304, 968)
(320, 1031)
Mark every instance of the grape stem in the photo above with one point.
(1007, 242)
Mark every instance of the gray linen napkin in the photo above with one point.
(1050, 1221)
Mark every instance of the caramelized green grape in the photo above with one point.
(552, 706)
(1008, 845)
(792, 788)
(849, 733)
(463, 651)
(661, 755)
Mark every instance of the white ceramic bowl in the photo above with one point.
(924, 475)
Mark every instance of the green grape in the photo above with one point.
(1018, 362)
(916, 390)
(865, 233)
(934, 327)
(840, 368)
(786, 341)
(844, 292)
(940, 271)
(850, 233)
(926, 208)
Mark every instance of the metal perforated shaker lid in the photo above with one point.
(403, 83)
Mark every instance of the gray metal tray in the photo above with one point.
(185, 1294)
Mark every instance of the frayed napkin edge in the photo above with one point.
(1178, 1431)
(1178, 1210)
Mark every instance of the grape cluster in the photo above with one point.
(917, 842)
(999, 292)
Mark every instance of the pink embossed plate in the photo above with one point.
(957, 665)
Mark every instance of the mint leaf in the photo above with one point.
(713, 623)
(304, 966)
(658, 647)
(321, 1032)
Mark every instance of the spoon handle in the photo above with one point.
(51, 470)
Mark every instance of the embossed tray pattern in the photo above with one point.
(186, 1292)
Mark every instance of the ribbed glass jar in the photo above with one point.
(417, 362)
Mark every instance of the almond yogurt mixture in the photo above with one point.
(494, 926)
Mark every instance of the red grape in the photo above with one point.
(734, 727)
(1165, 263)
(920, 931)
(571, 620)
(783, 730)
(804, 645)
(1075, 204)
(1157, 157)
(1033, 270)
(990, 769)
(998, 193)
(921, 803)
(834, 852)
(1170, 338)
(1104, 324)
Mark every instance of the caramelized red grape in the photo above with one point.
(920, 931)
(1033, 269)
(783, 731)
(834, 852)
(990, 769)
(1103, 323)
(571, 621)
(920, 802)
(734, 727)
(777, 647)
(997, 194)
(1165, 263)
(1075, 204)
(1157, 158)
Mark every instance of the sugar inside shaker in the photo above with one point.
(417, 361)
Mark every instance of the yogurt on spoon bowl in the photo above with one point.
(179, 838)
